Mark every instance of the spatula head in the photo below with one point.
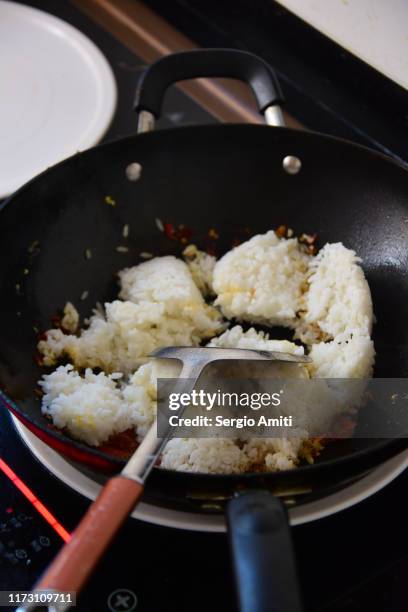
(207, 354)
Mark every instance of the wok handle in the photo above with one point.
(76, 560)
(227, 63)
(264, 566)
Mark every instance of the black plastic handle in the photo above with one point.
(207, 63)
(265, 571)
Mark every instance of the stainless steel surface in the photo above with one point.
(150, 37)
(146, 122)
(274, 116)
(207, 354)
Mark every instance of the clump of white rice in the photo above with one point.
(349, 355)
(338, 296)
(273, 454)
(252, 339)
(89, 407)
(120, 339)
(168, 281)
(206, 455)
(262, 280)
(226, 456)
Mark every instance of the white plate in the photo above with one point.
(58, 93)
(347, 497)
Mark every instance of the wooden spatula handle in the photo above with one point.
(76, 560)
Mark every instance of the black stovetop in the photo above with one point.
(354, 561)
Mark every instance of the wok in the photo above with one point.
(226, 177)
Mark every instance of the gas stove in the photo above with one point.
(352, 557)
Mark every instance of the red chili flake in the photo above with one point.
(169, 231)
(41, 336)
(181, 233)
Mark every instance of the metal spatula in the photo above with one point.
(77, 559)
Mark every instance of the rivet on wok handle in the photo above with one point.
(133, 171)
(199, 63)
(291, 164)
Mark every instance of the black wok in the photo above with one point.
(226, 177)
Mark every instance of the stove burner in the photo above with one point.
(41, 509)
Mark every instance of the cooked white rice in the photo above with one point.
(89, 407)
(198, 455)
(313, 410)
(252, 339)
(141, 392)
(268, 280)
(262, 280)
(70, 319)
(121, 338)
(349, 355)
(338, 296)
(168, 281)
(208, 455)
(273, 454)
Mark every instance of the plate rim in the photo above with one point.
(106, 77)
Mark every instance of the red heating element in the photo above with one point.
(46, 514)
